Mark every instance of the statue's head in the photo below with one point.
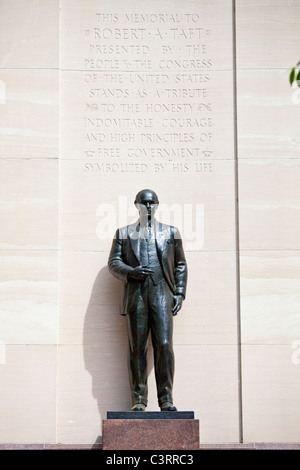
(146, 202)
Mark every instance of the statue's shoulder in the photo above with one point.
(171, 230)
(164, 227)
(121, 232)
(124, 232)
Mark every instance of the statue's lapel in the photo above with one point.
(133, 233)
(162, 235)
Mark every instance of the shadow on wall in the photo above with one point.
(105, 345)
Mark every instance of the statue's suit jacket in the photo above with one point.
(124, 256)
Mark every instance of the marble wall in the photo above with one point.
(29, 123)
(191, 99)
(268, 167)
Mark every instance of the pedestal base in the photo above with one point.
(150, 431)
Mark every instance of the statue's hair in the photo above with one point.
(139, 195)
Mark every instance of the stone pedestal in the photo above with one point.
(150, 431)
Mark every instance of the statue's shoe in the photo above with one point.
(168, 407)
(138, 407)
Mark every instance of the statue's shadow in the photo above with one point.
(105, 346)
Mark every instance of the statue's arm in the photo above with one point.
(116, 265)
(120, 269)
(181, 272)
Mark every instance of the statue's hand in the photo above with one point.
(140, 273)
(178, 304)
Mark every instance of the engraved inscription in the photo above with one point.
(148, 98)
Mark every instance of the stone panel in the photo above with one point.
(29, 114)
(268, 115)
(30, 34)
(269, 204)
(266, 33)
(270, 298)
(28, 394)
(29, 196)
(28, 293)
(271, 392)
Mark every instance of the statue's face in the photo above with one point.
(146, 203)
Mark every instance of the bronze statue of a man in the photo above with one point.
(148, 257)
